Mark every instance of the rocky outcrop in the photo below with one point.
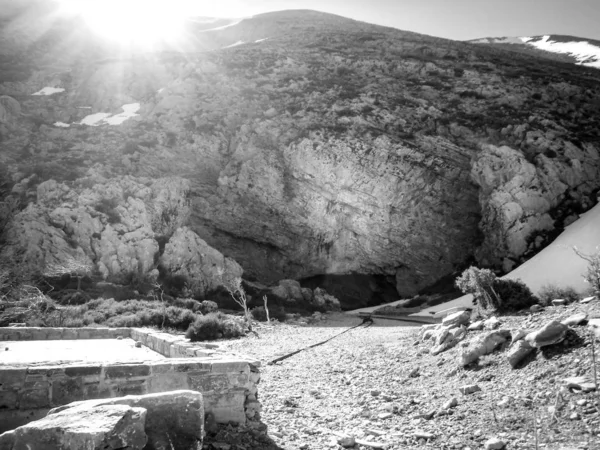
(115, 226)
(518, 196)
(204, 267)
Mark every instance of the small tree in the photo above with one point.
(266, 309)
(77, 267)
(236, 290)
(480, 283)
(592, 273)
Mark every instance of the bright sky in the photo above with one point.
(454, 19)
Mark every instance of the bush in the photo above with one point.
(208, 306)
(213, 326)
(592, 273)
(479, 282)
(129, 313)
(275, 312)
(514, 295)
(550, 292)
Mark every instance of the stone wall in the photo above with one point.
(227, 382)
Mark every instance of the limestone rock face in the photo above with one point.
(517, 196)
(105, 427)
(114, 225)
(204, 267)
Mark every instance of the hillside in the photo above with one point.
(298, 144)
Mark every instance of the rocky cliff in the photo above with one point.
(315, 145)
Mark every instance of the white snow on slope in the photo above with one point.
(61, 125)
(93, 120)
(97, 119)
(502, 40)
(129, 110)
(260, 40)
(48, 91)
(585, 53)
(557, 264)
(235, 44)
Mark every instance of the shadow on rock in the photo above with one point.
(251, 436)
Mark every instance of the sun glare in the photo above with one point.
(140, 22)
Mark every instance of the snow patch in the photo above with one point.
(61, 124)
(129, 111)
(235, 44)
(97, 119)
(160, 90)
(585, 53)
(93, 120)
(260, 40)
(49, 91)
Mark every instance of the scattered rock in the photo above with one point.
(492, 323)
(551, 333)
(483, 346)
(594, 326)
(476, 326)
(469, 389)
(347, 441)
(559, 302)
(575, 319)
(494, 444)
(518, 352)
(453, 402)
(420, 434)
(456, 319)
(588, 300)
(583, 384)
(535, 308)
(448, 339)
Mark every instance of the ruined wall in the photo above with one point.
(228, 384)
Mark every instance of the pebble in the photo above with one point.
(494, 444)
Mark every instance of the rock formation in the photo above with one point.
(359, 150)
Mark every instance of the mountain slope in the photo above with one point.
(319, 145)
(585, 52)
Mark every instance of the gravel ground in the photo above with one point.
(380, 386)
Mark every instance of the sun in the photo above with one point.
(137, 22)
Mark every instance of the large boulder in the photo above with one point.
(551, 333)
(174, 420)
(97, 427)
(205, 268)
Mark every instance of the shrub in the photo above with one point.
(550, 292)
(213, 326)
(514, 295)
(208, 306)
